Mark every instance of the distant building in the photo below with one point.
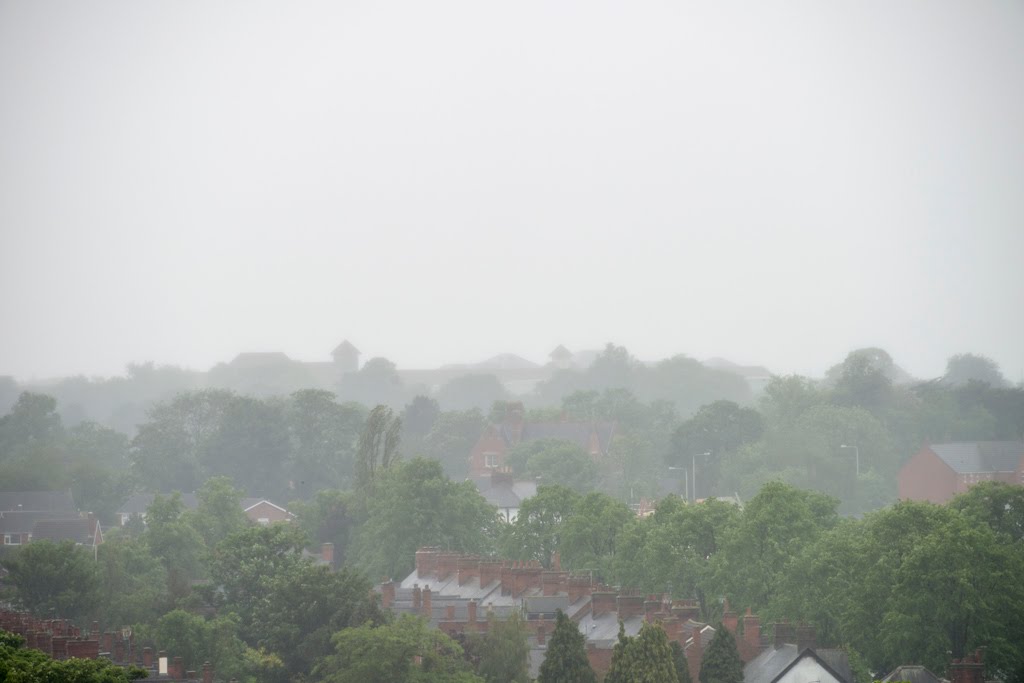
(489, 453)
(940, 471)
(258, 510)
(503, 491)
(794, 657)
(27, 516)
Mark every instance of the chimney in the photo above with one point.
(541, 634)
(553, 582)
(805, 638)
(327, 553)
(416, 595)
(729, 618)
(426, 561)
(695, 655)
(468, 568)
(147, 658)
(579, 586)
(108, 642)
(784, 633)
(446, 564)
(490, 571)
(673, 629)
(752, 631)
(95, 632)
(501, 476)
(471, 611)
(629, 606)
(652, 609)
(178, 667)
(190, 675)
(207, 672)
(602, 602)
(556, 561)
(387, 594)
(449, 612)
(970, 669)
(427, 607)
(684, 610)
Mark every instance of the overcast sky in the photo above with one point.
(774, 183)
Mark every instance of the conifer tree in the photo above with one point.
(647, 658)
(682, 666)
(566, 660)
(721, 662)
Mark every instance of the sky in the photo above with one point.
(439, 182)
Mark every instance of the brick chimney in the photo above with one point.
(427, 607)
(685, 610)
(59, 647)
(556, 561)
(490, 571)
(602, 602)
(178, 666)
(95, 632)
(471, 611)
(629, 606)
(695, 654)
(147, 658)
(652, 609)
(446, 564)
(752, 631)
(449, 612)
(468, 568)
(673, 629)
(970, 669)
(416, 597)
(387, 594)
(541, 633)
(502, 475)
(108, 642)
(553, 582)
(327, 553)
(579, 586)
(805, 638)
(784, 633)
(729, 619)
(207, 672)
(426, 560)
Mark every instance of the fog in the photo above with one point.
(441, 182)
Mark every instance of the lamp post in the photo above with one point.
(856, 455)
(692, 474)
(686, 479)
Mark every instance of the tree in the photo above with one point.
(566, 659)
(132, 582)
(324, 434)
(376, 383)
(250, 445)
(590, 535)
(175, 542)
(537, 531)
(719, 428)
(407, 650)
(197, 640)
(378, 445)
(502, 652)
(414, 504)
(54, 578)
(645, 658)
(682, 666)
(471, 391)
(219, 513)
(330, 517)
(19, 665)
(554, 462)
(998, 505)
(721, 662)
(964, 368)
(451, 439)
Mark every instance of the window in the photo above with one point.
(490, 459)
(265, 521)
(12, 539)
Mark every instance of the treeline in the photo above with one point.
(905, 584)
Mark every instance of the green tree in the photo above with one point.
(324, 435)
(554, 462)
(566, 658)
(502, 653)
(197, 640)
(414, 504)
(964, 368)
(20, 665)
(132, 582)
(645, 658)
(721, 662)
(405, 651)
(589, 537)
(719, 428)
(537, 531)
(54, 578)
(378, 445)
(998, 505)
(219, 513)
(251, 446)
(175, 542)
(330, 517)
(471, 391)
(450, 440)
(679, 660)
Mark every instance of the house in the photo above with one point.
(458, 593)
(38, 501)
(503, 491)
(22, 511)
(84, 531)
(794, 658)
(258, 510)
(498, 439)
(940, 471)
(911, 673)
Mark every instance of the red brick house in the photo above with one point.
(940, 471)
(489, 452)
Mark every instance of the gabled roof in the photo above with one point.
(22, 522)
(79, 530)
(34, 501)
(250, 503)
(560, 353)
(505, 494)
(914, 673)
(773, 663)
(980, 456)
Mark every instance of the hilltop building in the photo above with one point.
(940, 471)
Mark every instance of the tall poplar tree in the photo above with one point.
(566, 660)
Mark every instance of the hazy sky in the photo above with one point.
(442, 181)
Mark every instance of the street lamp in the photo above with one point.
(856, 455)
(693, 470)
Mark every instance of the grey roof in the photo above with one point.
(576, 432)
(55, 501)
(771, 664)
(914, 673)
(345, 347)
(22, 522)
(505, 494)
(139, 502)
(78, 530)
(982, 456)
(546, 604)
(603, 631)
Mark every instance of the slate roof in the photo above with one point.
(55, 501)
(981, 456)
(771, 664)
(23, 522)
(78, 530)
(503, 494)
(914, 673)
